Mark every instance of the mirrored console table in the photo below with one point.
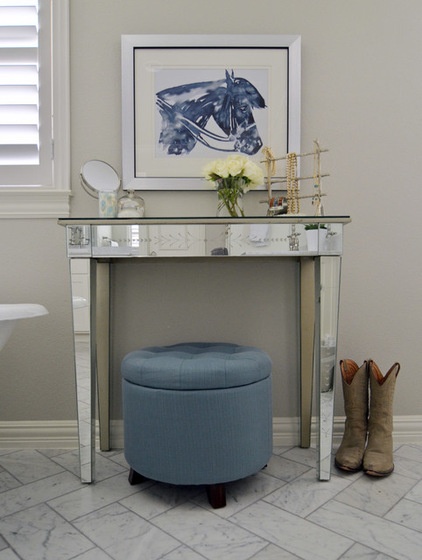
(94, 244)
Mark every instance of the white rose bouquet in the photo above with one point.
(232, 177)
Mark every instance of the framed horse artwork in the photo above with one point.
(187, 99)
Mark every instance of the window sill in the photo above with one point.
(27, 202)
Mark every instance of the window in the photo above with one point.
(34, 102)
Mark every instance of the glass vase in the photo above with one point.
(230, 197)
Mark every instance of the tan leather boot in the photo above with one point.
(355, 391)
(378, 458)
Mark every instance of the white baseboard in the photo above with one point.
(64, 435)
(407, 429)
(39, 435)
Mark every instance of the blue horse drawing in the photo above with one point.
(187, 110)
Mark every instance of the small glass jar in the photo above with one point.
(131, 206)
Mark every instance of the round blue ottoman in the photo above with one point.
(197, 414)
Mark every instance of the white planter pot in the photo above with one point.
(315, 239)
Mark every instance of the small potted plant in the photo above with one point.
(315, 236)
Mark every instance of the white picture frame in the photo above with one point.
(167, 80)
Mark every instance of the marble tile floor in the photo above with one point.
(282, 513)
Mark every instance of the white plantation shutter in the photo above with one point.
(25, 93)
(34, 87)
(19, 84)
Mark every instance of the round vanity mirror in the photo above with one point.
(98, 176)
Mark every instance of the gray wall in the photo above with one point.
(361, 96)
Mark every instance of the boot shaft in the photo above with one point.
(378, 458)
(355, 390)
(382, 394)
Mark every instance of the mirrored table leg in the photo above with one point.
(80, 274)
(327, 293)
(306, 319)
(102, 337)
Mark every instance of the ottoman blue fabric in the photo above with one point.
(197, 413)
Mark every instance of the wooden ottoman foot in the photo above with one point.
(216, 495)
(135, 478)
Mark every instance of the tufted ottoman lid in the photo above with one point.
(196, 366)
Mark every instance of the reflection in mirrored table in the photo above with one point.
(85, 391)
(204, 239)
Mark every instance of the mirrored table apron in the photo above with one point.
(93, 244)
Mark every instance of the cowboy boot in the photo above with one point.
(355, 391)
(378, 458)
